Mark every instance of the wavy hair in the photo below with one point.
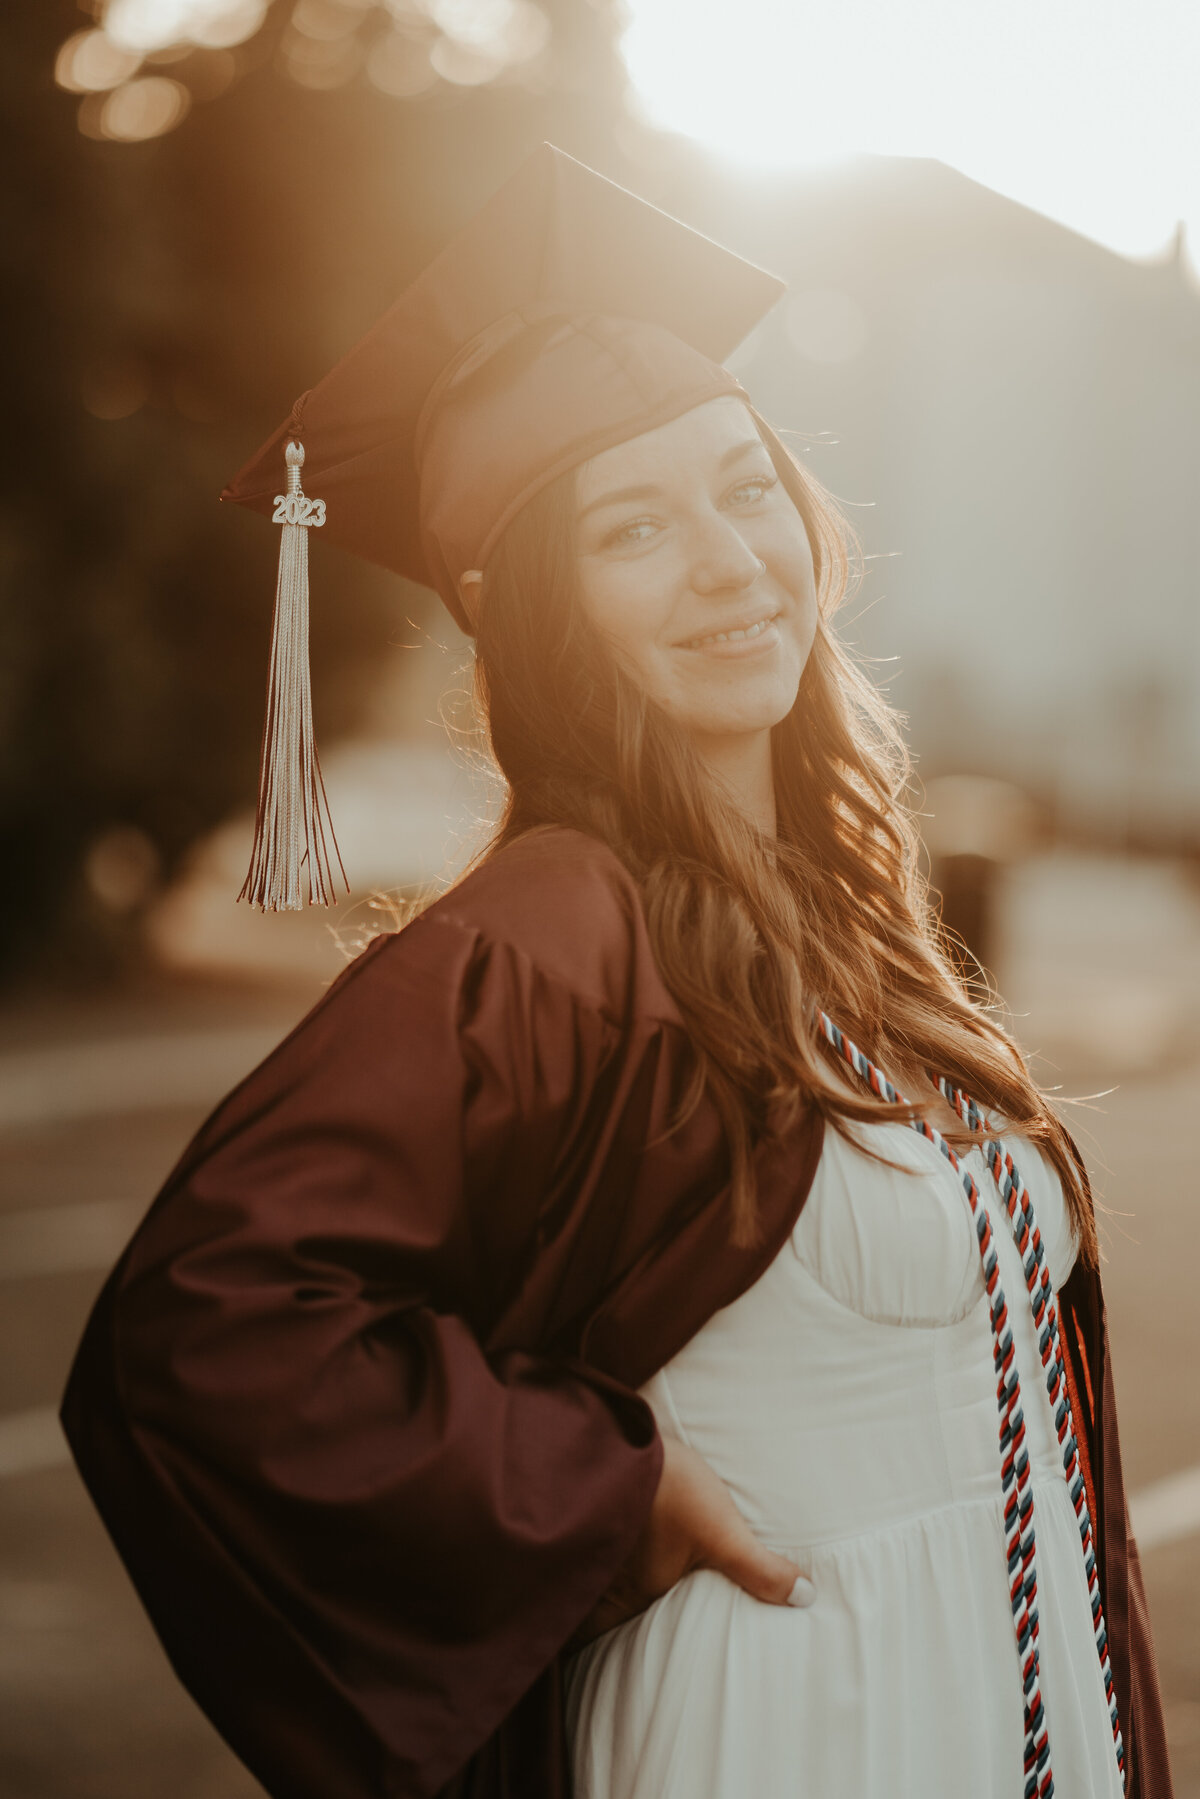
(750, 934)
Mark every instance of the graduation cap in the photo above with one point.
(567, 317)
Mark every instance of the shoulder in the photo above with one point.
(563, 904)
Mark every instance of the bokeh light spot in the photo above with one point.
(319, 62)
(324, 44)
(528, 31)
(144, 108)
(146, 25)
(399, 65)
(114, 389)
(90, 62)
(325, 20)
(462, 64)
(220, 28)
(122, 868)
(505, 31)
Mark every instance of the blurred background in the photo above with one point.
(990, 352)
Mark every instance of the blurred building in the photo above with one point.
(1013, 415)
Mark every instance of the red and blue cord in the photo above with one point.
(1015, 1478)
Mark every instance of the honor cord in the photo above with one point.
(1014, 1459)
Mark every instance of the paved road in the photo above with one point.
(88, 1706)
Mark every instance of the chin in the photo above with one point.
(735, 721)
(746, 714)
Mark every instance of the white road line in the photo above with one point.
(127, 1074)
(1167, 1511)
(66, 1239)
(31, 1442)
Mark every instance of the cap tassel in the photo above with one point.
(293, 811)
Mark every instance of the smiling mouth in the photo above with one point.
(745, 634)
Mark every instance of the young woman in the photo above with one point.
(568, 1362)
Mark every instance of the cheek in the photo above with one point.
(789, 558)
(627, 607)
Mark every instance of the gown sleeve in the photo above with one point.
(359, 1536)
(1126, 1613)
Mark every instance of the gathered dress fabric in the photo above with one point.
(848, 1400)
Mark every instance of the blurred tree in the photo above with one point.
(164, 300)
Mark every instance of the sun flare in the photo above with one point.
(1087, 113)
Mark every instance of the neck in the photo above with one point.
(742, 764)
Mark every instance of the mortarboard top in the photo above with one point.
(567, 316)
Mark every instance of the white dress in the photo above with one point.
(848, 1400)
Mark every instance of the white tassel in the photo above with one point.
(293, 812)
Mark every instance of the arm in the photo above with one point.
(359, 1537)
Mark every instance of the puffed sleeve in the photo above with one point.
(359, 1535)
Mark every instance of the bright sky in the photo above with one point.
(1087, 110)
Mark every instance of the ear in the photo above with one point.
(470, 590)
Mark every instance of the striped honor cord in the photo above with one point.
(1014, 1458)
(1028, 1239)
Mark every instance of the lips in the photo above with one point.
(732, 633)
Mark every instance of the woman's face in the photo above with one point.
(695, 565)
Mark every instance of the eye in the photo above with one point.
(753, 489)
(636, 531)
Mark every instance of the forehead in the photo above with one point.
(696, 440)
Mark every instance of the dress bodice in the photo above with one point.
(896, 1244)
(848, 1401)
(869, 1329)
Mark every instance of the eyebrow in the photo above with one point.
(623, 495)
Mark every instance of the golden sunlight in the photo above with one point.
(1086, 113)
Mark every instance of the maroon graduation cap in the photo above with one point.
(566, 317)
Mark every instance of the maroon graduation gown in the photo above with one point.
(358, 1403)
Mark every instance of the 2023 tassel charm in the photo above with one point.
(293, 826)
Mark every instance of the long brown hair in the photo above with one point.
(749, 934)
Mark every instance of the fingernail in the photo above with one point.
(803, 1593)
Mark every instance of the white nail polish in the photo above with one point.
(803, 1593)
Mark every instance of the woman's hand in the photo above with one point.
(693, 1523)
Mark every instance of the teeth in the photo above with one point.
(756, 630)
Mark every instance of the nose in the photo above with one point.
(721, 561)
